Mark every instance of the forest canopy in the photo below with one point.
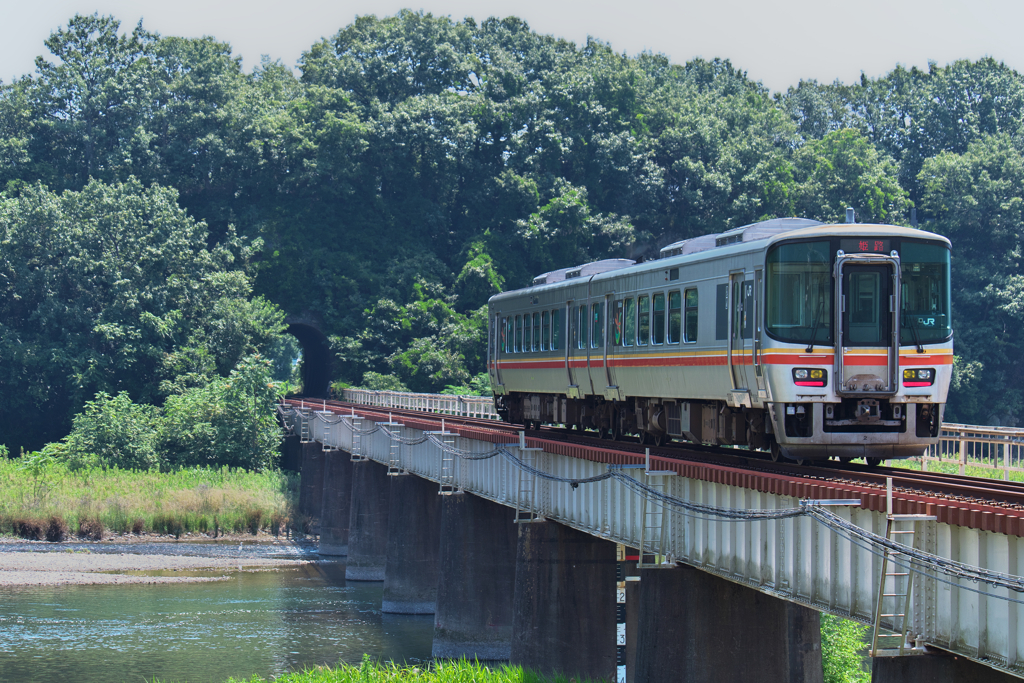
(162, 209)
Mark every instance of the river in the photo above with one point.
(266, 622)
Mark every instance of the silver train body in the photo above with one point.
(808, 340)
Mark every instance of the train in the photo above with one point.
(805, 340)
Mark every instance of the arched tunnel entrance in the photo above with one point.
(316, 359)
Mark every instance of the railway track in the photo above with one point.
(938, 488)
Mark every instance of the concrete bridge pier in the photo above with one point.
(368, 522)
(336, 504)
(697, 627)
(291, 453)
(564, 605)
(311, 479)
(476, 581)
(934, 667)
(413, 548)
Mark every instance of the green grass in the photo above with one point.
(201, 500)
(459, 671)
(972, 469)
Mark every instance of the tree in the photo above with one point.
(976, 199)
(113, 289)
(843, 169)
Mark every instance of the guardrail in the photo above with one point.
(991, 448)
(463, 406)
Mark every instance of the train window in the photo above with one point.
(629, 323)
(617, 324)
(643, 320)
(501, 335)
(556, 329)
(536, 332)
(582, 327)
(691, 316)
(545, 335)
(658, 331)
(597, 333)
(510, 333)
(924, 296)
(675, 317)
(799, 296)
(519, 334)
(528, 332)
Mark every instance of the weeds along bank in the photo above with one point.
(435, 672)
(43, 499)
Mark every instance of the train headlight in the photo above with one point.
(918, 377)
(810, 377)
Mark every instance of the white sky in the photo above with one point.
(777, 43)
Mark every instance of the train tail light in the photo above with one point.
(810, 377)
(918, 377)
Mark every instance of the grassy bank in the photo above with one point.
(42, 498)
(435, 672)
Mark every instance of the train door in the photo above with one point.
(741, 337)
(868, 304)
(496, 349)
(574, 347)
(758, 316)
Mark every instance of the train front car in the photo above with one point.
(857, 340)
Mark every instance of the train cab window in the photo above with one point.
(799, 293)
(691, 316)
(536, 332)
(658, 331)
(597, 333)
(545, 335)
(629, 322)
(925, 293)
(643, 320)
(556, 329)
(501, 335)
(582, 327)
(519, 334)
(616, 329)
(675, 317)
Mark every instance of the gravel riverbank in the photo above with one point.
(51, 565)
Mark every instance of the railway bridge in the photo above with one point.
(605, 561)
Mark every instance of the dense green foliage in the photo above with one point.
(841, 643)
(417, 165)
(228, 421)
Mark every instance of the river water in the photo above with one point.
(265, 622)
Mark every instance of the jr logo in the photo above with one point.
(926, 322)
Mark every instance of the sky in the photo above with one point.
(777, 43)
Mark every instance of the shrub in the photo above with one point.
(56, 529)
(90, 527)
(253, 520)
(28, 528)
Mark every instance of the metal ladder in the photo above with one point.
(652, 520)
(526, 484)
(357, 439)
(304, 435)
(395, 451)
(447, 470)
(895, 583)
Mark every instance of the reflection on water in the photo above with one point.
(263, 622)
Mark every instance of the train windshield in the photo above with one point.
(924, 293)
(799, 283)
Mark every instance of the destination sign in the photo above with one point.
(865, 245)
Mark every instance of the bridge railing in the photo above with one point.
(989, 448)
(463, 406)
